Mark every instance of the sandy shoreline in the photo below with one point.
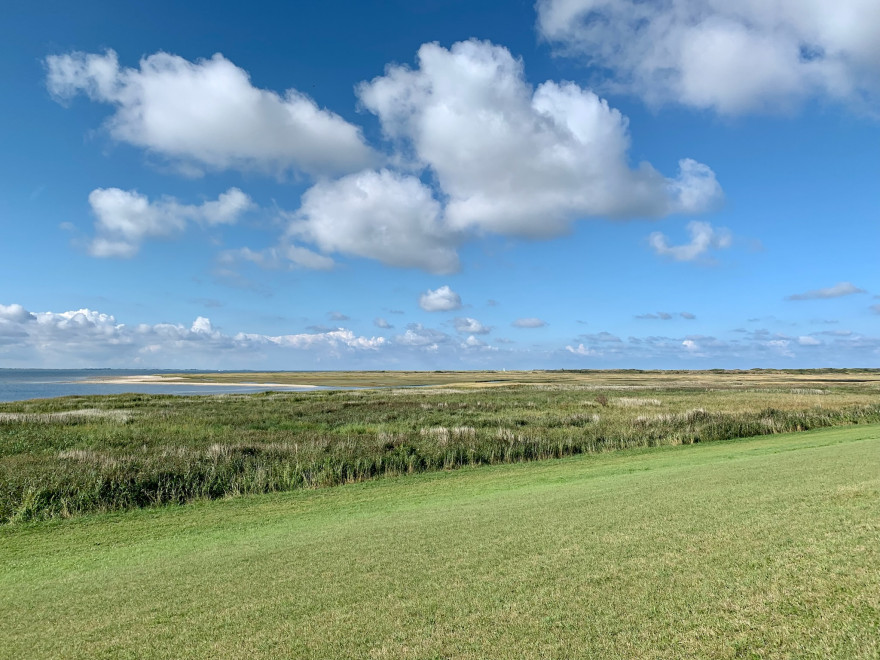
(155, 379)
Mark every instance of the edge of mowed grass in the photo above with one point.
(760, 547)
(521, 473)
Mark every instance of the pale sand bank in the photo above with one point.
(157, 379)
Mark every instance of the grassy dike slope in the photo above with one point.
(766, 547)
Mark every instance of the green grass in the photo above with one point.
(65, 457)
(766, 547)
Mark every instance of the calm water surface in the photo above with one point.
(22, 384)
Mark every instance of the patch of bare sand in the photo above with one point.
(156, 379)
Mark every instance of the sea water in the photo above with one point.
(22, 384)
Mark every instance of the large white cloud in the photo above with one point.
(382, 215)
(732, 57)
(125, 218)
(208, 114)
(515, 160)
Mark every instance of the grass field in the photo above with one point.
(766, 547)
(64, 457)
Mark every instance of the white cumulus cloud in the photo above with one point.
(443, 299)
(516, 160)
(580, 349)
(15, 313)
(473, 343)
(125, 218)
(208, 114)
(468, 326)
(381, 215)
(732, 57)
(418, 336)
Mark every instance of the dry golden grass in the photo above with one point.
(800, 379)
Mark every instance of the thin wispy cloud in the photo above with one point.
(529, 322)
(604, 337)
(665, 316)
(837, 291)
(704, 237)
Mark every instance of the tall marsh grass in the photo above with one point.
(65, 457)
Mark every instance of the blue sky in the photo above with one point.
(439, 185)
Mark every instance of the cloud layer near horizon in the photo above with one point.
(89, 338)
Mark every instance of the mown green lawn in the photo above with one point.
(767, 547)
